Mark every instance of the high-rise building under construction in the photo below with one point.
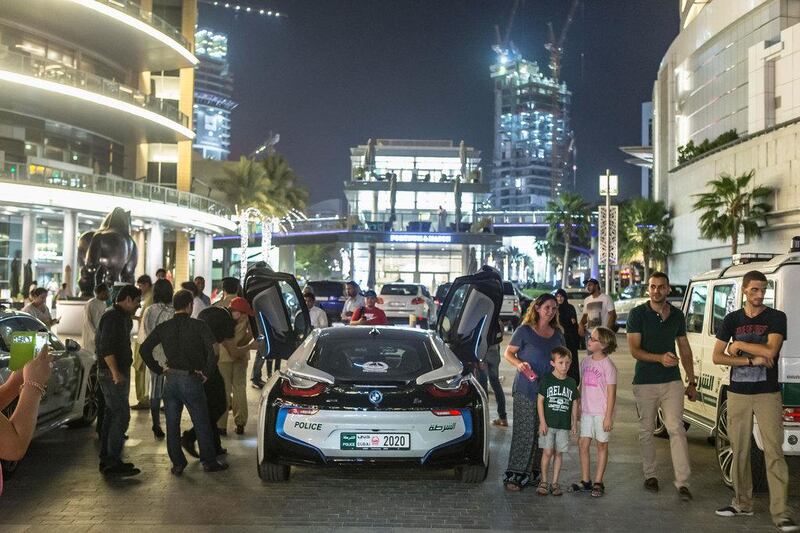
(528, 105)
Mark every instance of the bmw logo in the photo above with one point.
(375, 397)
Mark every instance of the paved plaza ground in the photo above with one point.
(58, 487)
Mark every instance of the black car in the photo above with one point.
(367, 395)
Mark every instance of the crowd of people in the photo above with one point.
(192, 353)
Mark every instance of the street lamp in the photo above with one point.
(607, 225)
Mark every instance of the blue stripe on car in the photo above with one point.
(467, 416)
(279, 423)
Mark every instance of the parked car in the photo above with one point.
(510, 312)
(576, 296)
(441, 292)
(375, 395)
(524, 299)
(711, 296)
(634, 295)
(399, 300)
(330, 297)
(73, 394)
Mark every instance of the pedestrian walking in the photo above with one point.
(529, 352)
(653, 329)
(140, 377)
(159, 311)
(114, 359)
(598, 398)
(557, 408)
(489, 374)
(190, 359)
(568, 318)
(749, 341)
(233, 358)
(598, 310)
(200, 282)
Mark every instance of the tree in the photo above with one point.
(646, 232)
(315, 261)
(729, 209)
(513, 255)
(269, 185)
(569, 222)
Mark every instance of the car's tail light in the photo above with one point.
(791, 414)
(446, 412)
(417, 301)
(439, 392)
(308, 411)
(289, 390)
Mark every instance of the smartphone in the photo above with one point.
(530, 374)
(41, 342)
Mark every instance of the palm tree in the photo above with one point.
(283, 191)
(729, 209)
(569, 221)
(646, 232)
(513, 255)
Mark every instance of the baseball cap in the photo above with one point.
(370, 294)
(591, 280)
(352, 284)
(241, 305)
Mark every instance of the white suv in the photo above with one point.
(510, 311)
(400, 300)
(711, 296)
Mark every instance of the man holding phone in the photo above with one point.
(114, 359)
(653, 330)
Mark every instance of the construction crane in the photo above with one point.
(504, 42)
(556, 49)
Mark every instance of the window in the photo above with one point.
(399, 290)
(377, 359)
(724, 302)
(696, 312)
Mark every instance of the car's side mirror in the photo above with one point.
(72, 346)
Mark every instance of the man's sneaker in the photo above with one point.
(215, 466)
(257, 384)
(787, 524)
(651, 484)
(684, 494)
(177, 470)
(121, 470)
(730, 510)
(188, 445)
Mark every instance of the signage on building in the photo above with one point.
(420, 237)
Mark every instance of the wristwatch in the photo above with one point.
(749, 362)
(740, 353)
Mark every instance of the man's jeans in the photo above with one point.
(185, 389)
(258, 363)
(492, 368)
(116, 417)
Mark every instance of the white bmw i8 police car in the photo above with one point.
(374, 395)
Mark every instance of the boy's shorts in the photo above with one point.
(592, 427)
(555, 438)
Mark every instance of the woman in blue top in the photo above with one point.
(529, 349)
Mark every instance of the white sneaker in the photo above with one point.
(730, 510)
(787, 524)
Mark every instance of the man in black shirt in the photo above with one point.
(755, 333)
(114, 358)
(187, 345)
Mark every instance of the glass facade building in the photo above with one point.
(213, 100)
(532, 112)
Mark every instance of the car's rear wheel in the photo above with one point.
(91, 404)
(722, 445)
(273, 472)
(472, 473)
(660, 429)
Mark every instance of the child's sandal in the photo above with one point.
(555, 490)
(544, 488)
(598, 489)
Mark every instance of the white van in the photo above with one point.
(711, 296)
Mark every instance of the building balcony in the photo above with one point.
(33, 185)
(119, 30)
(50, 90)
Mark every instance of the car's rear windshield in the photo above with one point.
(396, 289)
(374, 360)
(326, 288)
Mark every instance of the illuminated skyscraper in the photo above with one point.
(527, 106)
(213, 90)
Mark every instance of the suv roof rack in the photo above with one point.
(750, 257)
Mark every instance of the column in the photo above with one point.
(286, 258)
(202, 257)
(141, 265)
(464, 259)
(28, 248)
(181, 257)
(69, 249)
(416, 264)
(154, 255)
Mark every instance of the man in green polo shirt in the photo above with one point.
(653, 329)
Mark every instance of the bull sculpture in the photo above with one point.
(107, 254)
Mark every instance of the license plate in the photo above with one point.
(396, 304)
(375, 441)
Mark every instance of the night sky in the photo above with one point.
(336, 72)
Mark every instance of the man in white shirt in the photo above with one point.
(598, 309)
(354, 301)
(318, 317)
(91, 316)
